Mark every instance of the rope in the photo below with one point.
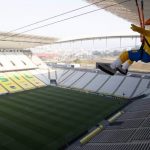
(141, 19)
(142, 13)
(65, 19)
(138, 9)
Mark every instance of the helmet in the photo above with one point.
(147, 22)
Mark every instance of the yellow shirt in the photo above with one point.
(146, 34)
(146, 47)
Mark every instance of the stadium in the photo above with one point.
(62, 105)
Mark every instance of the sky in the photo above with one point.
(18, 13)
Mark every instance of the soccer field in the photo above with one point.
(49, 117)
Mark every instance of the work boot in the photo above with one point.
(122, 71)
(106, 68)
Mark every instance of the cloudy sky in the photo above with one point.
(18, 13)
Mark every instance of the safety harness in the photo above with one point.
(141, 19)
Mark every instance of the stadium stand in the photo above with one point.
(59, 73)
(112, 84)
(27, 62)
(83, 80)
(8, 84)
(128, 132)
(6, 64)
(97, 82)
(142, 87)
(2, 68)
(51, 73)
(15, 61)
(38, 62)
(44, 72)
(19, 73)
(32, 79)
(15, 77)
(40, 76)
(129, 82)
(72, 79)
(3, 90)
(65, 75)
(100, 83)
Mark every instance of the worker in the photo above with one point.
(126, 58)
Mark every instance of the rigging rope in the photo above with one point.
(141, 18)
(65, 19)
(61, 14)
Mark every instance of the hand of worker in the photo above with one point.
(134, 27)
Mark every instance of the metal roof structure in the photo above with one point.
(23, 41)
(125, 9)
(98, 38)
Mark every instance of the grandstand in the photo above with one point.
(54, 108)
(100, 83)
(56, 116)
(27, 94)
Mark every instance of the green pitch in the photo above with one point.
(49, 117)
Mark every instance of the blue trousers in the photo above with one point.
(136, 55)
